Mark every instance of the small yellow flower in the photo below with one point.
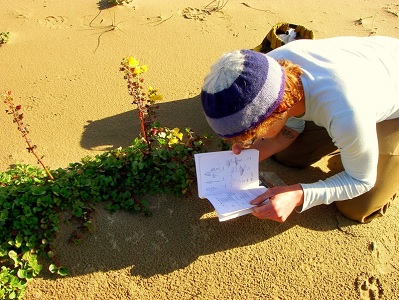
(152, 94)
(144, 69)
(132, 62)
(118, 152)
(155, 97)
(176, 132)
(137, 70)
(173, 141)
(151, 91)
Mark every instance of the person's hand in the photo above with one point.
(282, 200)
(236, 148)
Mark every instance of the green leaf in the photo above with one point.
(50, 254)
(22, 273)
(27, 211)
(64, 192)
(18, 241)
(34, 264)
(62, 271)
(38, 190)
(4, 215)
(14, 256)
(3, 252)
(53, 268)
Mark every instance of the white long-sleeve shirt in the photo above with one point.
(350, 84)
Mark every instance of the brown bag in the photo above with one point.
(273, 41)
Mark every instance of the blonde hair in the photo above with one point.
(293, 93)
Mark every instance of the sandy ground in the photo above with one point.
(62, 65)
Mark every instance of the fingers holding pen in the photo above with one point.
(264, 208)
(263, 197)
(281, 202)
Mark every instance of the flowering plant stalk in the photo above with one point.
(15, 111)
(170, 150)
(143, 99)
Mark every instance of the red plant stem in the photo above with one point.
(21, 128)
(31, 149)
(143, 127)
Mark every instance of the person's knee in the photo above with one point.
(362, 211)
(365, 217)
(349, 211)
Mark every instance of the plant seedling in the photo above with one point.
(4, 37)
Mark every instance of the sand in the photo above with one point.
(61, 64)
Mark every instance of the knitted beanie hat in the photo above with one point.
(242, 89)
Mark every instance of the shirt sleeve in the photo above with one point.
(358, 144)
(339, 187)
(295, 124)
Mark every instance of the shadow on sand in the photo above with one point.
(181, 229)
(119, 130)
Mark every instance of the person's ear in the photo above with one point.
(281, 108)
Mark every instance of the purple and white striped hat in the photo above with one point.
(242, 89)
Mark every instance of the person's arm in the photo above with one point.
(282, 200)
(269, 146)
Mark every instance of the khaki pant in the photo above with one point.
(314, 143)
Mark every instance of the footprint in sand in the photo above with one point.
(200, 14)
(22, 14)
(54, 22)
(369, 287)
(195, 13)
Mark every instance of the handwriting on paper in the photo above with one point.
(229, 172)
